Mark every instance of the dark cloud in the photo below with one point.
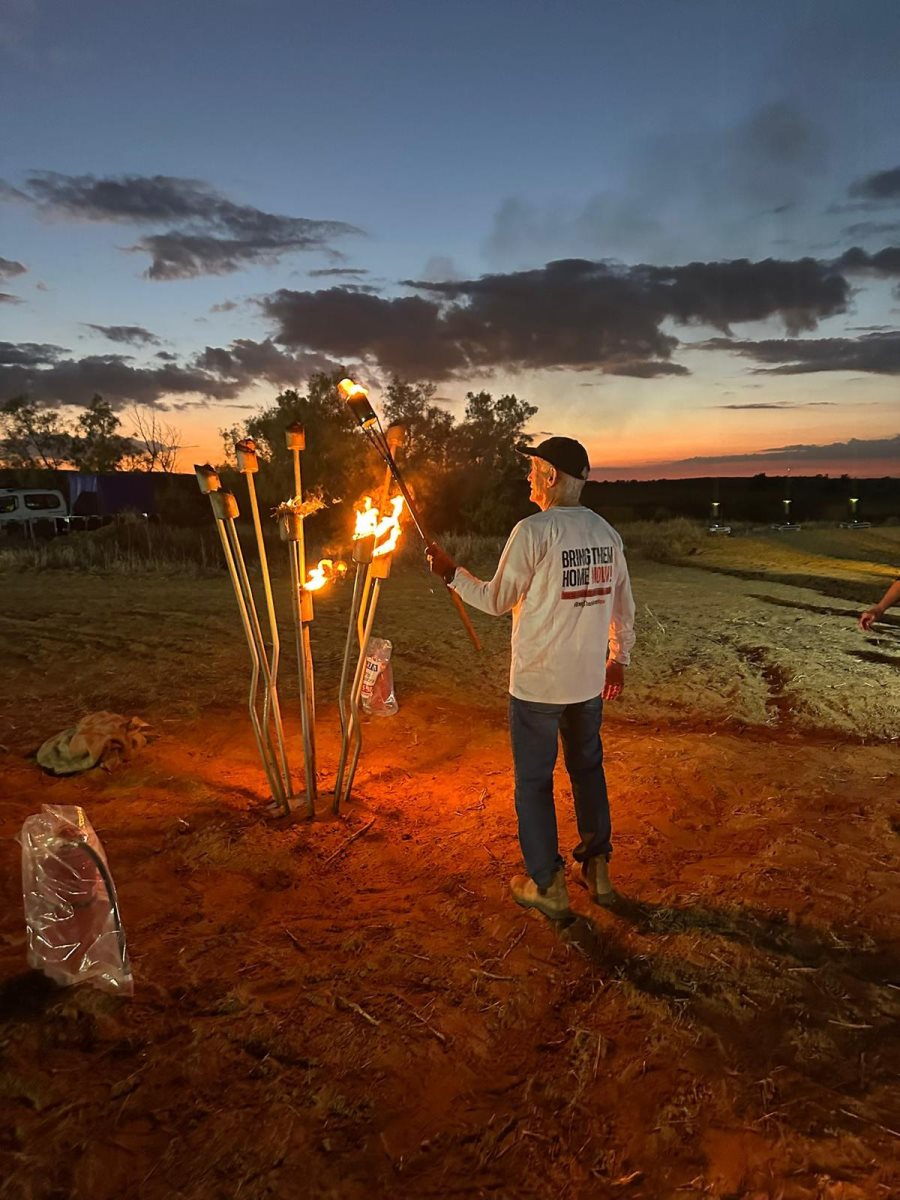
(211, 235)
(876, 353)
(130, 335)
(864, 229)
(9, 268)
(224, 307)
(166, 356)
(880, 186)
(325, 272)
(884, 262)
(29, 354)
(406, 334)
(74, 382)
(45, 372)
(249, 362)
(569, 314)
(647, 370)
(778, 404)
(9, 298)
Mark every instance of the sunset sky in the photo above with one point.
(673, 225)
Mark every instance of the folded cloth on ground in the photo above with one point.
(99, 737)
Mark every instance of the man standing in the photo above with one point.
(564, 577)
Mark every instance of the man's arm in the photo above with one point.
(511, 579)
(871, 615)
(621, 624)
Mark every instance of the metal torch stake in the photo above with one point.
(355, 722)
(345, 666)
(376, 574)
(225, 509)
(295, 438)
(363, 549)
(248, 465)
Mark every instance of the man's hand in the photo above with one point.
(440, 563)
(615, 680)
(868, 618)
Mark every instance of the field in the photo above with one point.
(354, 1007)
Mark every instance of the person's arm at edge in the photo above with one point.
(871, 615)
(621, 632)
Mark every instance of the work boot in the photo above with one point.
(594, 876)
(552, 901)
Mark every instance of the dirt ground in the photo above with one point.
(354, 1006)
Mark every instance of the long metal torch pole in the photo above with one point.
(224, 507)
(345, 666)
(295, 439)
(248, 465)
(363, 549)
(355, 724)
(256, 629)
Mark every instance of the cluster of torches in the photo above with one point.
(376, 536)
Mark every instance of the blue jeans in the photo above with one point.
(534, 730)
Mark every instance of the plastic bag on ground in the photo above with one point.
(377, 695)
(75, 934)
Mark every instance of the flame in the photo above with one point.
(325, 572)
(366, 520)
(348, 390)
(389, 529)
(384, 529)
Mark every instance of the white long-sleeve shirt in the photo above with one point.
(563, 575)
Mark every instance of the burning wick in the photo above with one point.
(384, 530)
(357, 399)
(327, 571)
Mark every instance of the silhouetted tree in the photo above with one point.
(32, 436)
(97, 446)
(154, 445)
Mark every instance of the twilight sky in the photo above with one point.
(674, 225)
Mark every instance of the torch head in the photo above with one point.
(224, 506)
(295, 437)
(207, 478)
(396, 436)
(357, 399)
(247, 462)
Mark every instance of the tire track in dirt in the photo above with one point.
(778, 704)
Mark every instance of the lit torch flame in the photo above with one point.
(385, 530)
(389, 529)
(366, 520)
(325, 572)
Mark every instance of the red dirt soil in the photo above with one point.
(318, 1014)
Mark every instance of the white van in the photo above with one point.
(32, 510)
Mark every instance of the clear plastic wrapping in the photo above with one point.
(377, 696)
(75, 933)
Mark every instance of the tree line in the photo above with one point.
(33, 437)
(465, 474)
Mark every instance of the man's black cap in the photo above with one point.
(565, 454)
